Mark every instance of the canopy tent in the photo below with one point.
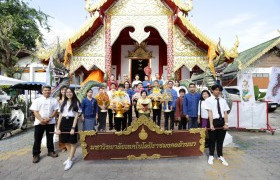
(29, 86)
(9, 81)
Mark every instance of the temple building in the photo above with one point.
(125, 36)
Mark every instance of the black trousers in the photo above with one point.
(128, 116)
(102, 120)
(183, 123)
(157, 116)
(111, 124)
(38, 135)
(135, 110)
(217, 137)
(120, 124)
(167, 116)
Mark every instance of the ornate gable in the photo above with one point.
(91, 54)
(139, 8)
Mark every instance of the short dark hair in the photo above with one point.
(140, 83)
(156, 81)
(113, 84)
(182, 90)
(46, 87)
(143, 91)
(170, 81)
(201, 98)
(89, 90)
(214, 87)
(191, 84)
(121, 85)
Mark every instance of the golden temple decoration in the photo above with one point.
(87, 62)
(143, 134)
(143, 120)
(233, 53)
(143, 156)
(184, 6)
(184, 47)
(194, 30)
(95, 47)
(91, 54)
(92, 7)
(201, 131)
(45, 54)
(83, 135)
(140, 51)
(139, 8)
(190, 62)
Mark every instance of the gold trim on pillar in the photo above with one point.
(83, 135)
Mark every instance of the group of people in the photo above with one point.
(190, 109)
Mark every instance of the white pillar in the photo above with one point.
(31, 73)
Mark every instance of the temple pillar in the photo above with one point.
(170, 58)
(108, 47)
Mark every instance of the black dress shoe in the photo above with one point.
(36, 158)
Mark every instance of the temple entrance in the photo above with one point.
(137, 67)
(127, 54)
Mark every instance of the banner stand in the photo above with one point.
(237, 125)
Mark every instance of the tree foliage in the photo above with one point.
(19, 29)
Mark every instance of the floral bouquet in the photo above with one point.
(102, 99)
(156, 98)
(119, 103)
(166, 97)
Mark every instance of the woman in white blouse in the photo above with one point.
(202, 111)
(136, 81)
(67, 124)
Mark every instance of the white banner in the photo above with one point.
(273, 90)
(246, 88)
(251, 116)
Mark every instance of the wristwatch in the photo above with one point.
(73, 128)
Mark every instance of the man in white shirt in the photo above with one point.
(218, 116)
(45, 109)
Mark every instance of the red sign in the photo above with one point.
(142, 140)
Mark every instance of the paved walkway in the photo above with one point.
(253, 155)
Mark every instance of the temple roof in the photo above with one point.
(96, 20)
(249, 56)
(246, 58)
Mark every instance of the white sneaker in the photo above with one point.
(65, 162)
(224, 162)
(210, 160)
(68, 165)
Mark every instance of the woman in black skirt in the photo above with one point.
(67, 124)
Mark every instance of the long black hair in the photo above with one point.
(75, 103)
(60, 94)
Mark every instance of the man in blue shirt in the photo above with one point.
(190, 106)
(171, 105)
(146, 84)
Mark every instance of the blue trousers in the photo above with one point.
(89, 124)
(192, 122)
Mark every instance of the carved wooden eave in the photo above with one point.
(140, 52)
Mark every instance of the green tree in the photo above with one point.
(19, 29)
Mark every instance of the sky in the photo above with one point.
(253, 21)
